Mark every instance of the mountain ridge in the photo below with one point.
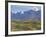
(30, 14)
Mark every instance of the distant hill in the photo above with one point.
(30, 14)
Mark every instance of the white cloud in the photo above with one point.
(35, 8)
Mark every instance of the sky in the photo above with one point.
(18, 8)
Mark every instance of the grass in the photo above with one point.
(24, 25)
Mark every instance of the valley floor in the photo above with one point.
(25, 25)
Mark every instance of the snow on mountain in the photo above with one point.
(19, 10)
(30, 14)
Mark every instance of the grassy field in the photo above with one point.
(25, 25)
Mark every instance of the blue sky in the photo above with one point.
(18, 8)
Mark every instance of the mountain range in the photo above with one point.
(30, 14)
